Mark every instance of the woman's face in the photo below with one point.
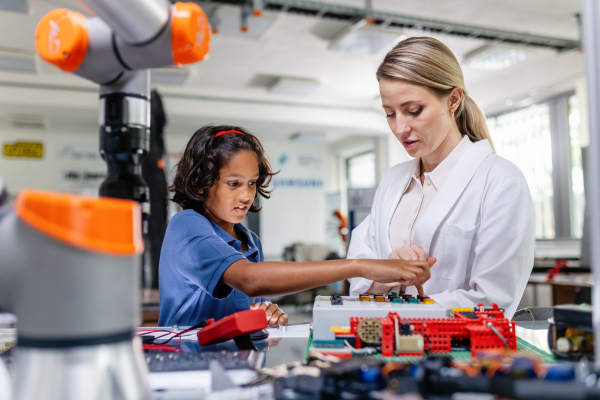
(232, 194)
(419, 119)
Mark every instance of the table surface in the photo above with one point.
(283, 348)
(581, 280)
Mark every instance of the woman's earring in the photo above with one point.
(452, 113)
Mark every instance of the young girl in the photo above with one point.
(212, 266)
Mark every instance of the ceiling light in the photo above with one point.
(308, 137)
(26, 121)
(495, 57)
(17, 60)
(294, 86)
(14, 5)
(170, 76)
(364, 39)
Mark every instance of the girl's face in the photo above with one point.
(233, 193)
(419, 119)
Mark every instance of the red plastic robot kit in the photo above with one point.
(479, 329)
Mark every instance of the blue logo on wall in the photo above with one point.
(298, 183)
(283, 159)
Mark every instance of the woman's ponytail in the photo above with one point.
(471, 121)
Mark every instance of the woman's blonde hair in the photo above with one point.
(427, 62)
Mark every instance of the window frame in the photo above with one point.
(558, 108)
(347, 167)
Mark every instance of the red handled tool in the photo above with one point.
(236, 326)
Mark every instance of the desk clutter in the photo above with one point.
(470, 350)
(473, 350)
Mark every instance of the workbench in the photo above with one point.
(286, 347)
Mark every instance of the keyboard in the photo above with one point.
(164, 361)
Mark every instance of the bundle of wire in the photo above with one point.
(149, 340)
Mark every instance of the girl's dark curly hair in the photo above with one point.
(203, 158)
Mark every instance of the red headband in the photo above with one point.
(224, 132)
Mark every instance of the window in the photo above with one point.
(523, 137)
(577, 193)
(543, 140)
(361, 171)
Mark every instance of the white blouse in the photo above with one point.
(417, 197)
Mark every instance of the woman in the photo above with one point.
(456, 200)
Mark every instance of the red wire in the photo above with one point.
(163, 347)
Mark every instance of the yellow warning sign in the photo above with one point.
(24, 150)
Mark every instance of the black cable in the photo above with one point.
(202, 324)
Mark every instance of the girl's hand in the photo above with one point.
(412, 253)
(275, 316)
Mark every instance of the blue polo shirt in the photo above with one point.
(194, 255)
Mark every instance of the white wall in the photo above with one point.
(296, 211)
(71, 162)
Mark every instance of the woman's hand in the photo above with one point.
(275, 316)
(399, 272)
(413, 253)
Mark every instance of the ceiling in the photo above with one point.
(231, 84)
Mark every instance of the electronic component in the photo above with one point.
(326, 315)
(165, 361)
(410, 344)
(369, 330)
(365, 297)
(571, 334)
(394, 334)
(336, 300)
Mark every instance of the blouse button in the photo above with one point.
(409, 226)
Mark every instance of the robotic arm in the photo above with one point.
(70, 265)
(129, 35)
(115, 50)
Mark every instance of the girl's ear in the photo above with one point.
(200, 191)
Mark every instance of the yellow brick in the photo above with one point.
(428, 301)
(462, 309)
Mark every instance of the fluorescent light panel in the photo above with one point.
(364, 39)
(27, 121)
(495, 57)
(294, 86)
(19, 6)
(308, 137)
(15, 60)
(170, 76)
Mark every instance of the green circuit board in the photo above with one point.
(523, 349)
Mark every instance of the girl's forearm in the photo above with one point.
(275, 278)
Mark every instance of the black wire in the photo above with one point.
(152, 338)
(152, 341)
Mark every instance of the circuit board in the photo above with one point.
(336, 311)
(524, 350)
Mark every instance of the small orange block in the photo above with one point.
(428, 301)
(365, 297)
